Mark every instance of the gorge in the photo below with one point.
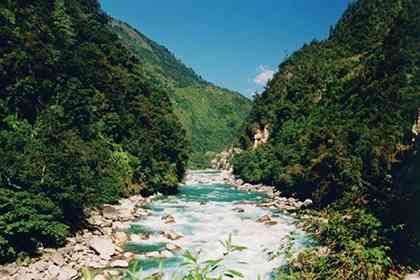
(104, 134)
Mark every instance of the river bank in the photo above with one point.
(204, 205)
(97, 246)
(287, 204)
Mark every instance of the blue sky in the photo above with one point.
(235, 44)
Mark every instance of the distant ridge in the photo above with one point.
(211, 115)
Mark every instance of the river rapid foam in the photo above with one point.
(207, 211)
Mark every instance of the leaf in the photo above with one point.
(134, 266)
(240, 248)
(232, 273)
(190, 257)
(214, 262)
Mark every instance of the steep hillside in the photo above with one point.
(211, 115)
(339, 114)
(80, 124)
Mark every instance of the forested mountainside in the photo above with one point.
(80, 122)
(212, 116)
(339, 114)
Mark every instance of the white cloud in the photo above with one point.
(264, 76)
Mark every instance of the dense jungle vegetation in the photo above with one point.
(212, 116)
(340, 113)
(80, 122)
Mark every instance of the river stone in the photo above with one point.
(103, 246)
(99, 277)
(9, 270)
(120, 237)
(67, 273)
(39, 266)
(58, 259)
(53, 271)
(264, 219)
(168, 219)
(171, 235)
(114, 273)
(129, 255)
(271, 223)
(136, 238)
(238, 209)
(96, 264)
(173, 247)
(110, 211)
(155, 255)
(307, 203)
(119, 263)
(414, 276)
(32, 276)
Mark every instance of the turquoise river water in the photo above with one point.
(207, 213)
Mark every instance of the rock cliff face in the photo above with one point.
(261, 136)
(223, 161)
(416, 127)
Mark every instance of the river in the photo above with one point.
(207, 211)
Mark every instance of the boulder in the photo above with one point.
(39, 266)
(413, 276)
(154, 255)
(129, 255)
(114, 273)
(9, 270)
(110, 211)
(307, 203)
(125, 214)
(78, 248)
(173, 247)
(103, 246)
(67, 273)
(268, 205)
(100, 277)
(238, 209)
(120, 238)
(58, 259)
(137, 199)
(264, 219)
(120, 263)
(137, 238)
(96, 264)
(168, 219)
(34, 275)
(171, 235)
(271, 223)
(158, 255)
(119, 226)
(53, 271)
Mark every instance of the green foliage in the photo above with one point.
(212, 116)
(340, 114)
(80, 123)
(353, 247)
(230, 247)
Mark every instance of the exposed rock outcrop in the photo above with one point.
(416, 127)
(261, 136)
(223, 160)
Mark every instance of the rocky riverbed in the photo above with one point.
(277, 201)
(206, 211)
(99, 247)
